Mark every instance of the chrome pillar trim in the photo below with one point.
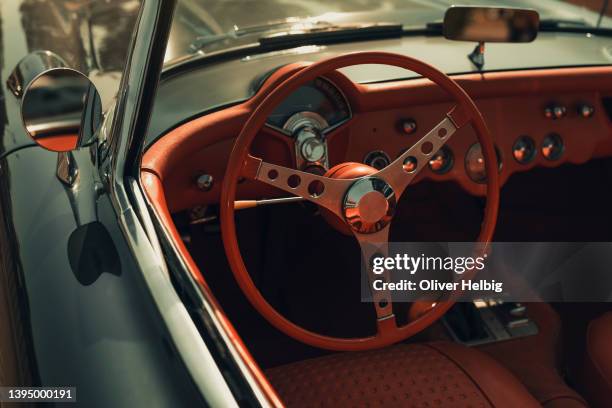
(67, 171)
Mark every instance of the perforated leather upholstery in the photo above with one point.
(428, 375)
(597, 377)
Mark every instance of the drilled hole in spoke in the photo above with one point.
(316, 188)
(293, 181)
(382, 303)
(442, 132)
(410, 164)
(273, 174)
(427, 147)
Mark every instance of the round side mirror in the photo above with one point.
(61, 109)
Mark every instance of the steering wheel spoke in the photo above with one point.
(324, 191)
(372, 246)
(400, 173)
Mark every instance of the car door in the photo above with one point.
(84, 298)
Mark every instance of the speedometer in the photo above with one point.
(319, 98)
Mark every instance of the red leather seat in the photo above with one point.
(597, 379)
(406, 375)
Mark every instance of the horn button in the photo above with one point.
(369, 205)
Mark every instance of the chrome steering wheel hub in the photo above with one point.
(369, 205)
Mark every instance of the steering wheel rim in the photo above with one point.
(241, 164)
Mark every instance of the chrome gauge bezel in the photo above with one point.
(498, 154)
(557, 137)
(328, 128)
(532, 144)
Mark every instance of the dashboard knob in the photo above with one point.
(585, 111)
(559, 111)
(205, 182)
(548, 112)
(408, 126)
(377, 159)
(555, 111)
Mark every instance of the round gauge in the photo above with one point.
(410, 164)
(442, 161)
(319, 98)
(524, 150)
(552, 147)
(377, 159)
(475, 163)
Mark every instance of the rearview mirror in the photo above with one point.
(491, 24)
(61, 109)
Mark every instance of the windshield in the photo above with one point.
(215, 25)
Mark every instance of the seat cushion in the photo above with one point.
(406, 375)
(535, 360)
(597, 380)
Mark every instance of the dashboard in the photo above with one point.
(538, 118)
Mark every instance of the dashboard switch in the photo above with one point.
(585, 111)
(408, 126)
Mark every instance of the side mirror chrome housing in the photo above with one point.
(60, 107)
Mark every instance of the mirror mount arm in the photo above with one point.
(477, 55)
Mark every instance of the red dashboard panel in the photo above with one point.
(513, 104)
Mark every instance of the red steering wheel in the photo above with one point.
(366, 203)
